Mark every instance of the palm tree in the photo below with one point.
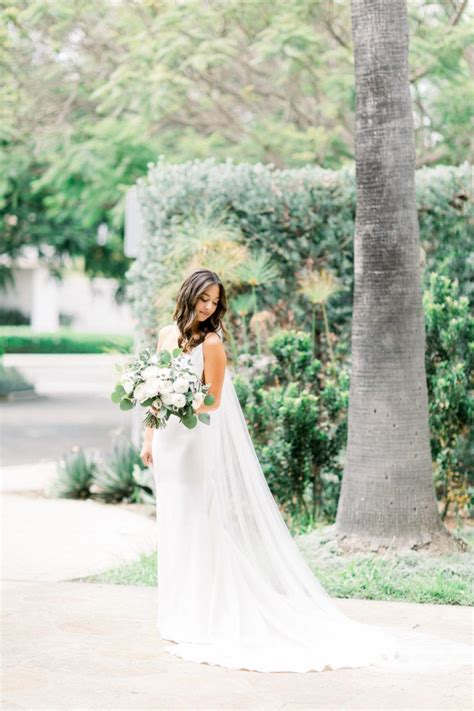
(203, 241)
(318, 287)
(257, 271)
(387, 496)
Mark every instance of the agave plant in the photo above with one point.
(114, 478)
(75, 474)
(318, 287)
(257, 271)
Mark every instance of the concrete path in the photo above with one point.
(72, 406)
(79, 646)
(85, 646)
(77, 373)
(46, 538)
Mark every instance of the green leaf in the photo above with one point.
(165, 358)
(209, 399)
(177, 352)
(204, 417)
(126, 404)
(116, 396)
(149, 401)
(190, 422)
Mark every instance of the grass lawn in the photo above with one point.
(411, 577)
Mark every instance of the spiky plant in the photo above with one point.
(203, 241)
(318, 286)
(114, 478)
(257, 271)
(75, 474)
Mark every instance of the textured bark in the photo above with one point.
(387, 496)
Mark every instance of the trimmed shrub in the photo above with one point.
(22, 339)
(299, 217)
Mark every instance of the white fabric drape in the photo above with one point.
(266, 610)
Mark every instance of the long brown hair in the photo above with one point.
(185, 313)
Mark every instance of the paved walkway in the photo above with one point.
(71, 405)
(72, 645)
(86, 646)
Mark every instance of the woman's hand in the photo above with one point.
(146, 454)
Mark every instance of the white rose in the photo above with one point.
(181, 385)
(141, 392)
(152, 386)
(128, 385)
(168, 398)
(179, 400)
(166, 386)
(165, 372)
(151, 372)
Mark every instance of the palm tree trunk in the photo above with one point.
(387, 495)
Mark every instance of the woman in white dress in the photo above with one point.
(233, 588)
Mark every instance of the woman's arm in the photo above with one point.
(215, 361)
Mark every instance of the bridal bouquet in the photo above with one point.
(166, 382)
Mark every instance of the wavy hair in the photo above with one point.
(185, 313)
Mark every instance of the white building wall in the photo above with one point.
(89, 301)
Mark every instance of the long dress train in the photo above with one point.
(233, 587)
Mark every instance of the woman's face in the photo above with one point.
(207, 302)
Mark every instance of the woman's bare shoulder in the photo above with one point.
(163, 333)
(213, 349)
(166, 329)
(212, 339)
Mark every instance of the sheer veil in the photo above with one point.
(268, 612)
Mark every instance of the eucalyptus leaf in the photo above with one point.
(165, 358)
(204, 417)
(190, 422)
(126, 404)
(149, 401)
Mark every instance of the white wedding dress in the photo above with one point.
(233, 587)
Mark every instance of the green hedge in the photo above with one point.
(295, 215)
(21, 339)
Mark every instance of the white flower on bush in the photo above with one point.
(181, 385)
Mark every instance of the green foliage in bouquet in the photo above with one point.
(296, 408)
(449, 363)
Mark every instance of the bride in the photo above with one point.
(233, 588)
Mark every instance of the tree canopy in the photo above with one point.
(95, 91)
